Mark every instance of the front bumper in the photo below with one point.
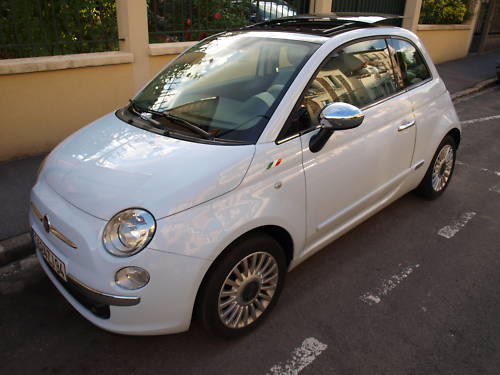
(163, 306)
(93, 300)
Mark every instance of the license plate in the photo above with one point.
(52, 260)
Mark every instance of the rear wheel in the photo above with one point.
(243, 286)
(440, 170)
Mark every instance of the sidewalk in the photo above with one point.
(465, 73)
(17, 177)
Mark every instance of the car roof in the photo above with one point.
(325, 25)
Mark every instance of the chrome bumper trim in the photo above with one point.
(101, 297)
(92, 294)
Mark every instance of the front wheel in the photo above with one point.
(243, 286)
(438, 176)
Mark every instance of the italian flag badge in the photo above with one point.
(274, 163)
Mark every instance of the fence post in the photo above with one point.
(320, 6)
(412, 14)
(132, 18)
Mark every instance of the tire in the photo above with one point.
(438, 175)
(242, 286)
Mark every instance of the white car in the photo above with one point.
(245, 156)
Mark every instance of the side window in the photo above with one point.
(359, 74)
(408, 63)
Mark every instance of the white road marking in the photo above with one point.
(482, 119)
(458, 162)
(387, 285)
(302, 357)
(495, 189)
(490, 171)
(450, 230)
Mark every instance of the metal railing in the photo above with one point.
(31, 28)
(396, 7)
(187, 20)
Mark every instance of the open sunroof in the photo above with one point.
(327, 25)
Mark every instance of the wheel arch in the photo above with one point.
(456, 135)
(280, 234)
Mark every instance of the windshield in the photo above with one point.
(228, 85)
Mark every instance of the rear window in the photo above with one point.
(359, 74)
(409, 65)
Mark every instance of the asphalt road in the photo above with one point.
(393, 296)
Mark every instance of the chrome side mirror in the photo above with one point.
(335, 116)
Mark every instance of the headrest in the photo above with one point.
(295, 54)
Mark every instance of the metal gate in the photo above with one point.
(271, 9)
(396, 7)
(492, 39)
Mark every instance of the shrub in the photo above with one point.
(444, 11)
(56, 27)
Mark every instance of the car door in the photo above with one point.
(358, 169)
(428, 96)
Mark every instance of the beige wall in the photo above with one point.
(156, 63)
(446, 45)
(43, 100)
(40, 109)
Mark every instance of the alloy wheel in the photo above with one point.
(443, 167)
(248, 290)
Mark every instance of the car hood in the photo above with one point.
(110, 165)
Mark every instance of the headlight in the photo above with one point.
(128, 232)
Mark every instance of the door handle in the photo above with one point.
(406, 125)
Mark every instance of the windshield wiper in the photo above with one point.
(139, 112)
(187, 124)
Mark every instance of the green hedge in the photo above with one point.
(56, 27)
(446, 11)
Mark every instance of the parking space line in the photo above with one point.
(496, 173)
(495, 189)
(375, 297)
(482, 119)
(450, 230)
(302, 357)
(490, 171)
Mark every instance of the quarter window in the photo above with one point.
(359, 74)
(408, 63)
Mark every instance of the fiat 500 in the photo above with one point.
(247, 154)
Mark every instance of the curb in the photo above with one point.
(16, 248)
(472, 90)
(19, 275)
